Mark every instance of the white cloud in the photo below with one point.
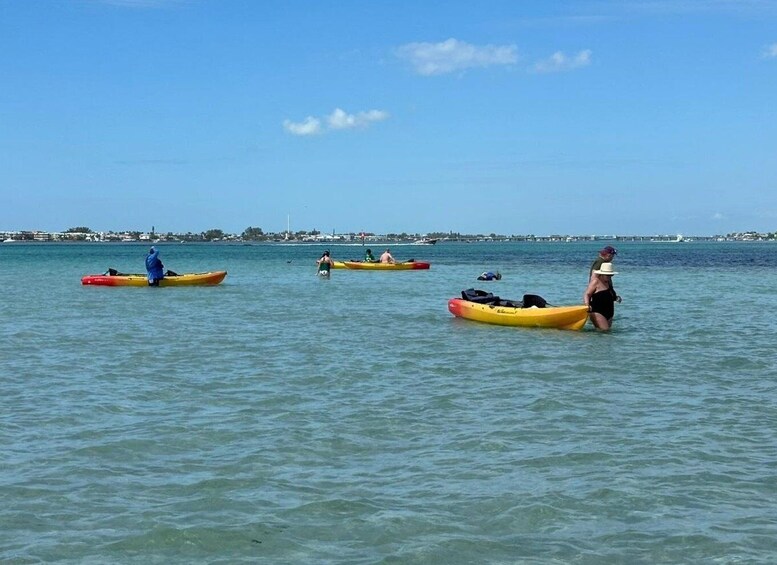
(771, 51)
(453, 55)
(310, 126)
(560, 62)
(339, 119)
(718, 216)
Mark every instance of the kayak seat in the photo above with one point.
(509, 303)
(482, 297)
(479, 296)
(530, 300)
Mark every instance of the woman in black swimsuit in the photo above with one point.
(600, 297)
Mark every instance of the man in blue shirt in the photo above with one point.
(154, 267)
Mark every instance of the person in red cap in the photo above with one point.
(606, 255)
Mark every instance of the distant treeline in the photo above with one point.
(84, 233)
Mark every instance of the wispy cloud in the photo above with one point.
(718, 216)
(770, 52)
(338, 120)
(453, 55)
(561, 62)
(341, 120)
(308, 126)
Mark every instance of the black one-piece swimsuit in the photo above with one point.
(603, 302)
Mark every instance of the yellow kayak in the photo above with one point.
(559, 317)
(187, 279)
(363, 266)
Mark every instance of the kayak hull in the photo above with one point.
(187, 279)
(361, 266)
(559, 317)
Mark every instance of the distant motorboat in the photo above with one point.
(679, 238)
(425, 241)
(9, 240)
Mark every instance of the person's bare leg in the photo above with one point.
(599, 321)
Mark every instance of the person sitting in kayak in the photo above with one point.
(154, 267)
(369, 257)
(324, 264)
(387, 257)
(489, 276)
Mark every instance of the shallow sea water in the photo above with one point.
(283, 418)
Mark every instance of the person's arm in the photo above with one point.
(589, 291)
(594, 266)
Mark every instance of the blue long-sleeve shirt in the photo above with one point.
(154, 266)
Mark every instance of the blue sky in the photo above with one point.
(586, 117)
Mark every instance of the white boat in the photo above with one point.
(425, 241)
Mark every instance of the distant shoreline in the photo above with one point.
(257, 235)
(397, 242)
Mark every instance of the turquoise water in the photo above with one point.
(284, 418)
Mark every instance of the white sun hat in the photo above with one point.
(605, 269)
